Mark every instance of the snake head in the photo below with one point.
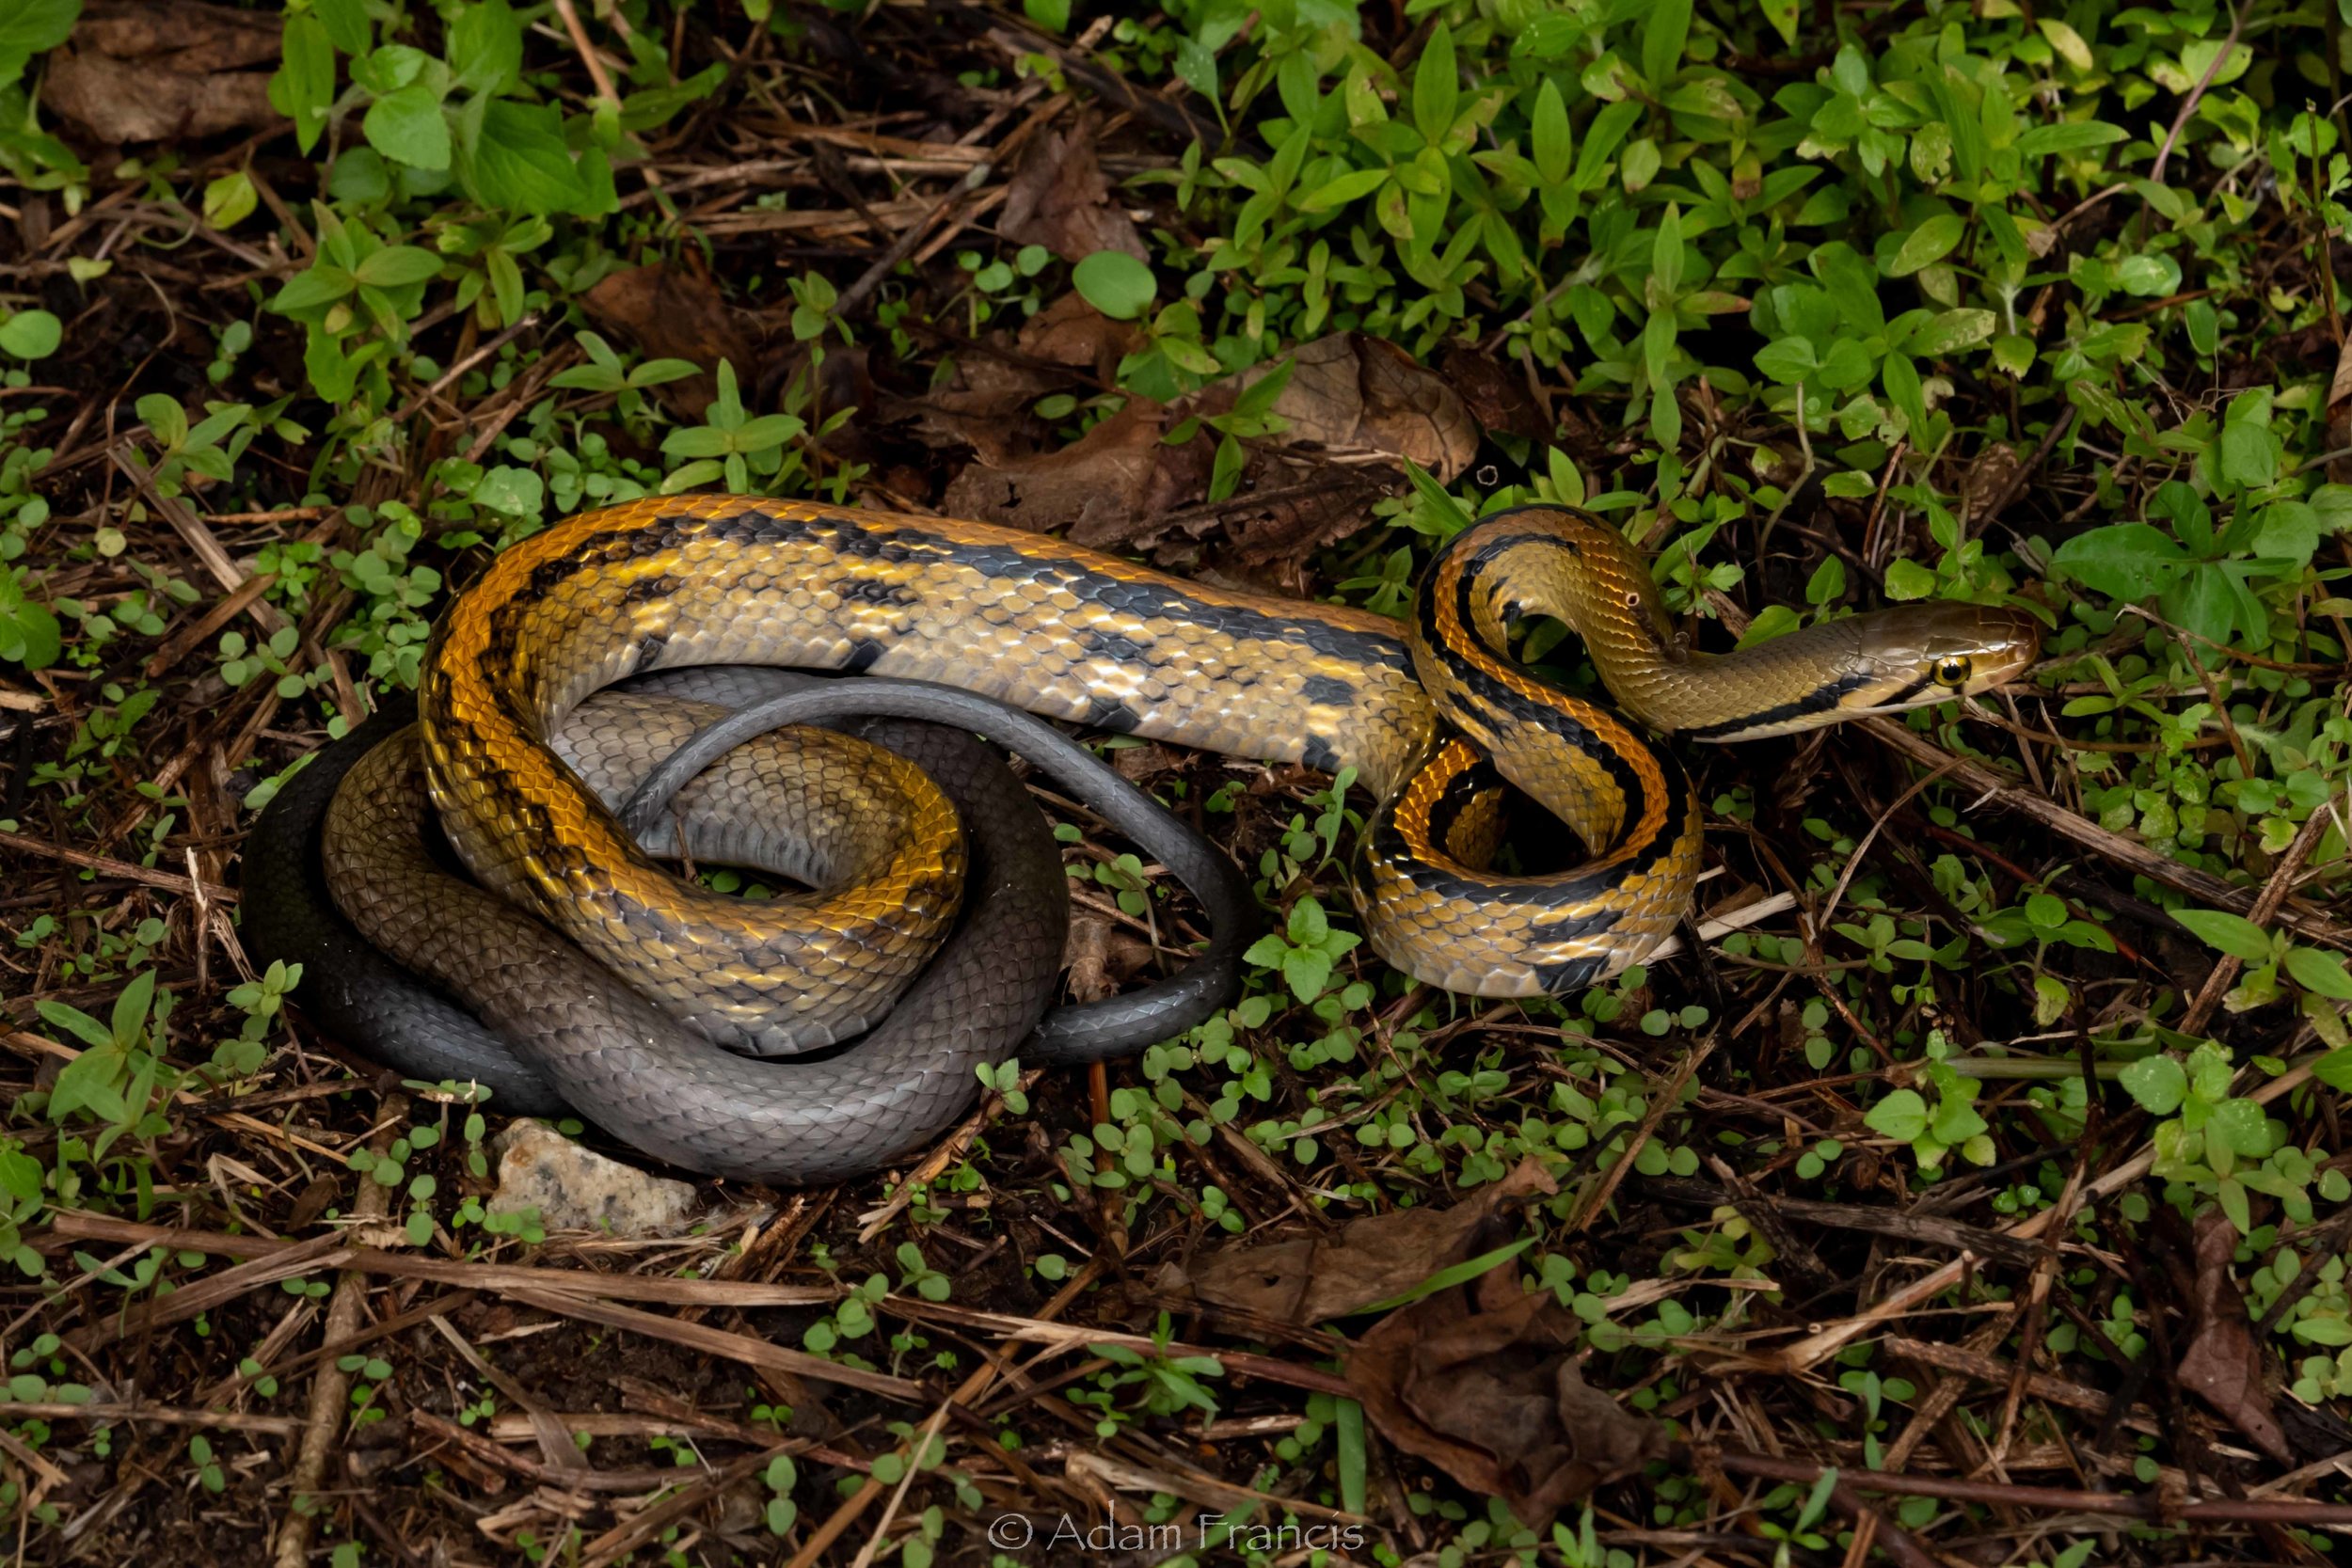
(1884, 662)
(1932, 652)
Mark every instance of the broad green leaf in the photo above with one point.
(230, 199)
(518, 161)
(1341, 189)
(1902, 1116)
(31, 335)
(2123, 560)
(1782, 14)
(2159, 1084)
(30, 27)
(1952, 331)
(164, 418)
(1906, 579)
(1934, 240)
(398, 265)
(346, 24)
(1115, 283)
(486, 46)
(408, 126)
(1786, 361)
(2232, 934)
(2068, 42)
(87, 1084)
(2320, 972)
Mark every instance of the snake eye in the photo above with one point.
(1953, 670)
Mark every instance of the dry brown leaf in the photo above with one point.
(1072, 332)
(136, 70)
(1354, 392)
(2223, 1366)
(987, 409)
(1496, 393)
(2340, 414)
(1310, 1279)
(1484, 1384)
(1060, 199)
(671, 313)
(1098, 487)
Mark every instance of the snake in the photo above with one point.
(1435, 716)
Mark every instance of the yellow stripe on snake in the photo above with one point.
(1434, 714)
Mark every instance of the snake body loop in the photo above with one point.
(1434, 714)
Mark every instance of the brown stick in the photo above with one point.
(497, 1277)
(1995, 790)
(2127, 1505)
(330, 1386)
(170, 881)
(2265, 909)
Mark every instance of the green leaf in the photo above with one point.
(1547, 128)
(230, 199)
(1341, 190)
(1902, 1116)
(1666, 251)
(2159, 1084)
(2123, 560)
(520, 162)
(346, 24)
(408, 126)
(398, 265)
(1786, 361)
(1663, 39)
(1906, 579)
(1601, 139)
(31, 335)
(2075, 136)
(1437, 89)
(311, 289)
(28, 632)
(1782, 14)
(2335, 1070)
(30, 27)
(1930, 242)
(2250, 453)
(1952, 331)
(486, 47)
(1452, 1275)
(2232, 934)
(303, 88)
(2241, 1127)
(75, 1022)
(1115, 283)
(2068, 42)
(1903, 389)
(164, 418)
(130, 1014)
(2320, 973)
(87, 1084)
(516, 492)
